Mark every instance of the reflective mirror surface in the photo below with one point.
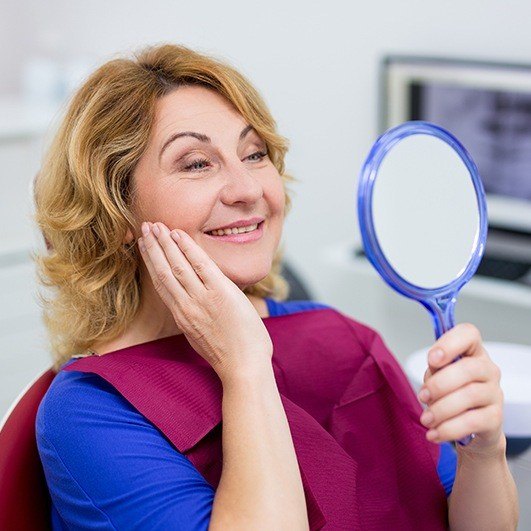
(425, 211)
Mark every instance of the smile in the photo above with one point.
(247, 234)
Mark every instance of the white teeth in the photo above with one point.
(235, 230)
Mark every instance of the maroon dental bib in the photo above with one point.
(354, 418)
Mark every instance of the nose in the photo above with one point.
(241, 186)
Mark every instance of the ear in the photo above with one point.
(129, 236)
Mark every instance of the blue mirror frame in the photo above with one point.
(440, 301)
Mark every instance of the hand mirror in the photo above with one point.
(423, 216)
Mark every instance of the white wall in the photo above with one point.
(13, 47)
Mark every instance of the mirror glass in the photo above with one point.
(425, 211)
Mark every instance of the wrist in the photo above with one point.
(257, 374)
(478, 451)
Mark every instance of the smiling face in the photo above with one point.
(216, 174)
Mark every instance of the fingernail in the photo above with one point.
(424, 395)
(175, 235)
(156, 230)
(145, 229)
(436, 355)
(141, 245)
(426, 418)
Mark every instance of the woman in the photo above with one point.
(162, 199)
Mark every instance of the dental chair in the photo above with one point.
(24, 498)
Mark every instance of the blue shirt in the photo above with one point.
(135, 478)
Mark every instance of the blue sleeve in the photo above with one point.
(277, 308)
(447, 466)
(107, 467)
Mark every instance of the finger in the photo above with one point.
(205, 267)
(462, 340)
(159, 288)
(427, 374)
(179, 264)
(165, 284)
(473, 421)
(456, 375)
(470, 396)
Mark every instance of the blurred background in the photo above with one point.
(335, 76)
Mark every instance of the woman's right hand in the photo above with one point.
(217, 318)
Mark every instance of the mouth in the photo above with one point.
(238, 234)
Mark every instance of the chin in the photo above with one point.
(246, 276)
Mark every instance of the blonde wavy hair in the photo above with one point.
(84, 191)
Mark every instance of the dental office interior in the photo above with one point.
(335, 77)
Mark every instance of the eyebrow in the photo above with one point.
(199, 136)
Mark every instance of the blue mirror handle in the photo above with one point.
(439, 301)
(442, 312)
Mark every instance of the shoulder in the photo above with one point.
(78, 404)
(107, 465)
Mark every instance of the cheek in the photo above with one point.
(175, 206)
(276, 196)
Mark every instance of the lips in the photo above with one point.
(239, 223)
(243, 237)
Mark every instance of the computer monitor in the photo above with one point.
(487, 106)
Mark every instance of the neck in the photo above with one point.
(155, 321)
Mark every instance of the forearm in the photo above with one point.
(484, 494)
(260, 486)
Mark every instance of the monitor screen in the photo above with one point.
(487, 106)
(493, 124)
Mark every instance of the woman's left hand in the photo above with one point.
(464, 397)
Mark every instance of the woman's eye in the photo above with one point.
(197, 165)
(259, 154)
(202, 164)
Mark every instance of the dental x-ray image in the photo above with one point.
(494, 126)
